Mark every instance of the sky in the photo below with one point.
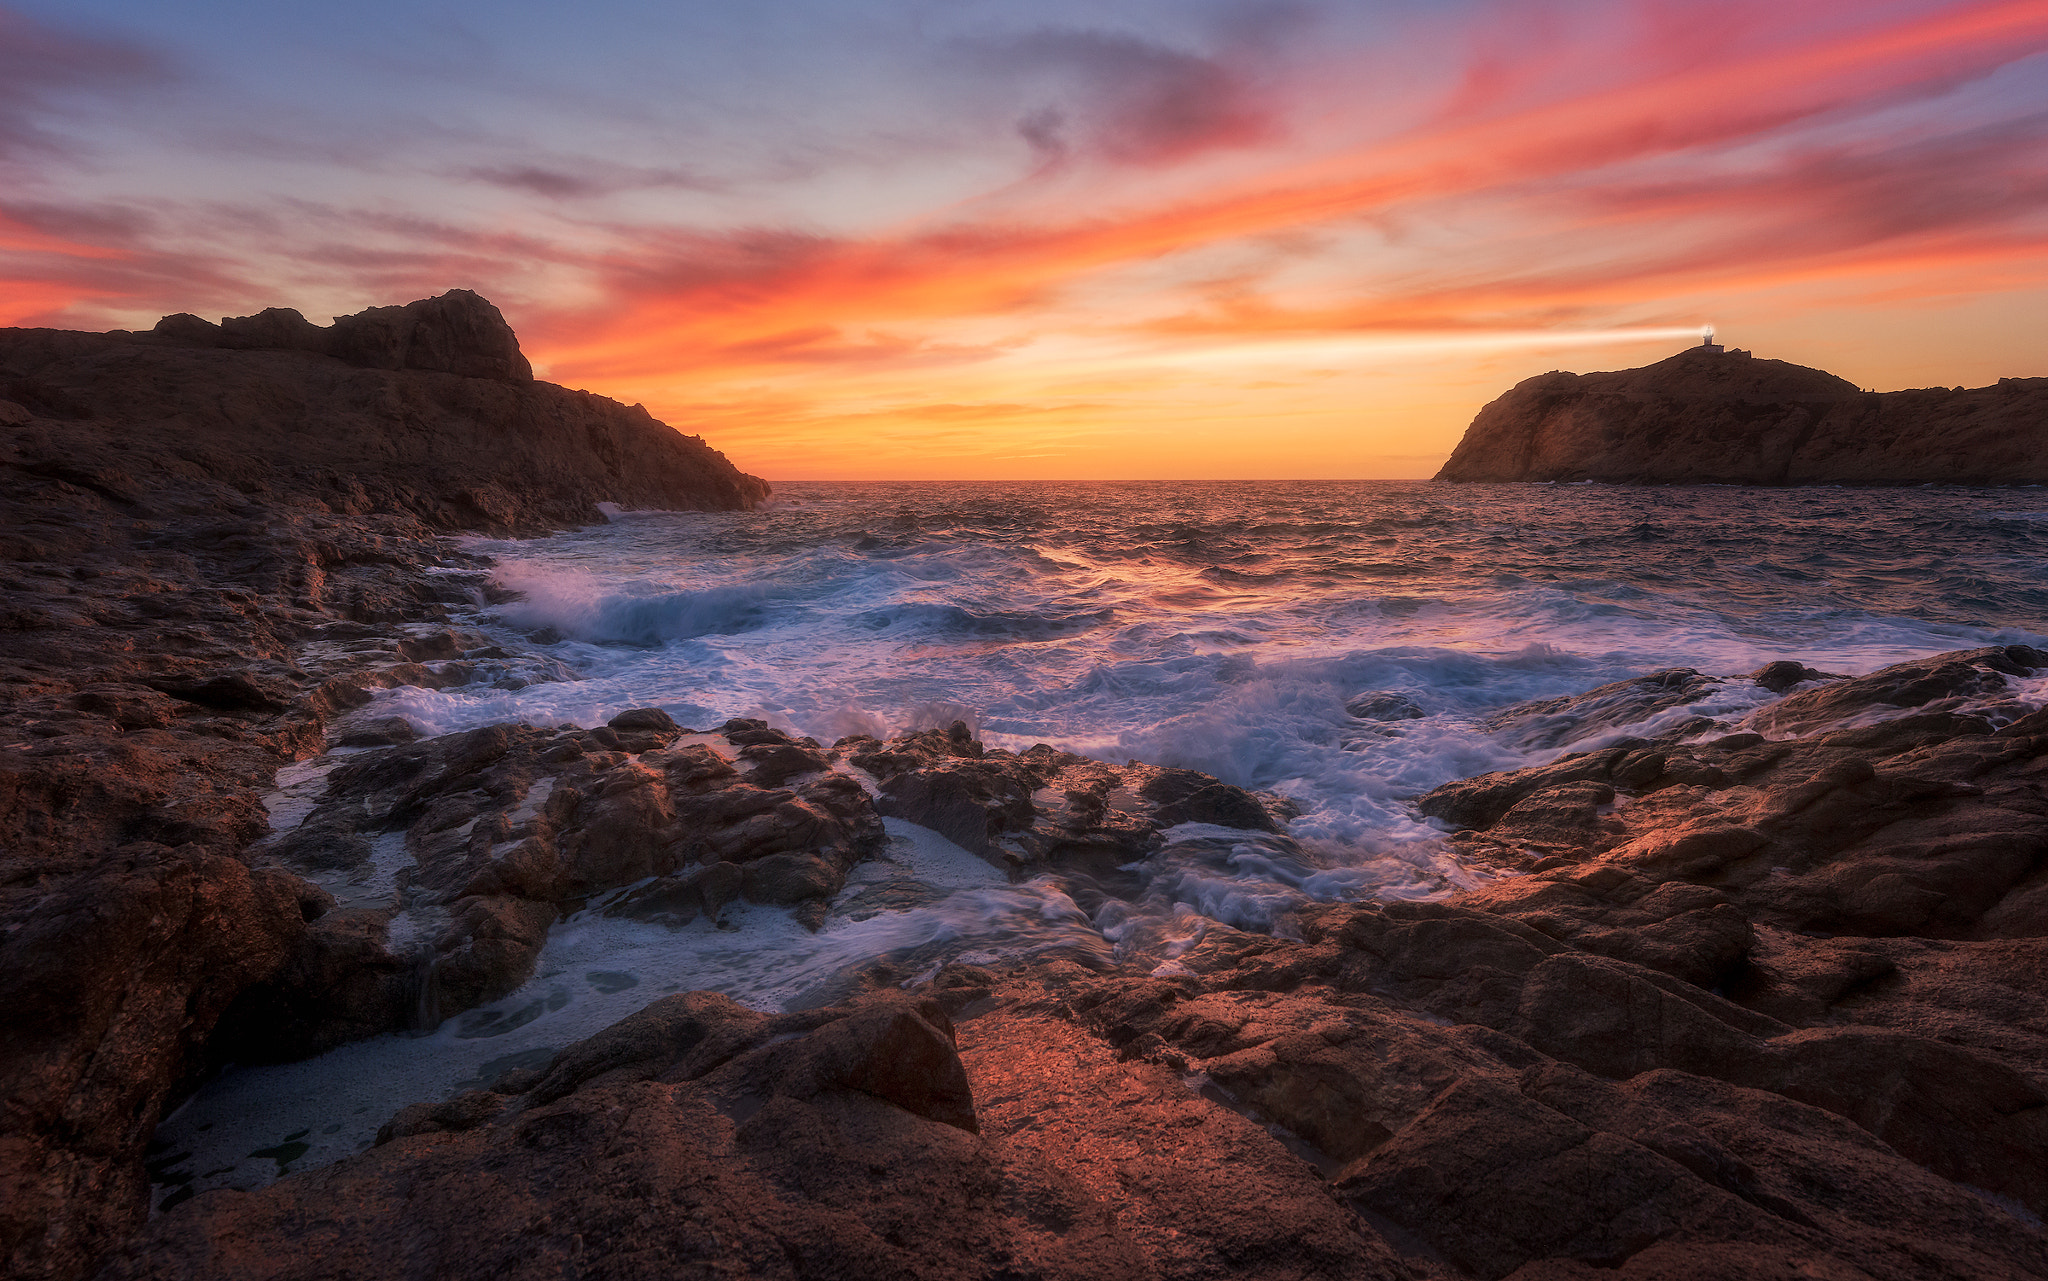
(985, 239)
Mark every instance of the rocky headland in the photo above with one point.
(1751, 998)
(212, 534)
(1709, 416)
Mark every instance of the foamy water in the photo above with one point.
(1222, 627)
(1216, 627)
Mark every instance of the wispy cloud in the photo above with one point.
(568, 179)
(1116, 96)
(42, 64)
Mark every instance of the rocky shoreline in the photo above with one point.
(211, 551)
(1739, 1006)
(1759, 999)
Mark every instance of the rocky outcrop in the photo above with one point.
(1771, 1005)
(881, 1139)
(1707, 416)
(1909, 804)
(1492, 1102)
(426, 410)
(155, 679)
(214, 540)
(456, 333)
(501, 829)
(1045, 810)
(1756, 990)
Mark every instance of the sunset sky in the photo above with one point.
(1127, 238)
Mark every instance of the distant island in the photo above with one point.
(1714, 416)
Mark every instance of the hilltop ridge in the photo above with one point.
(429, 410)
(1708, 416)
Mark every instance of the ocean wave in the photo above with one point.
(579, 604)
(927, 619)
(1225, 629)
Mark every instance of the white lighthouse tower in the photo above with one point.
(1707, 343)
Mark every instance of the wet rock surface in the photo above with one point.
(1044, 809)
(1923, 815)
(879, 1139)
(494, 832)
(489, 836)
(1722, 417)
(1698, 1045)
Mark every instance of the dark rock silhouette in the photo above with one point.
(1723, 417)
(426, 409)
(457, 333)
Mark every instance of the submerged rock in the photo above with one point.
(1383, 705)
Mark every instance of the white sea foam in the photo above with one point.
(1207, 630)
(241, 1129)
(1221, 628)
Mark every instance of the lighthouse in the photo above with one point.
(1708, 344)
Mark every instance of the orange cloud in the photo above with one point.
(719, 302)
(1181, 241)
(42, 273)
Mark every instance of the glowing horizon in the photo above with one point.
(1230, 239)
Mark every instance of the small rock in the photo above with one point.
(1384, 705)
(382, 732)
(776, 764)
(232, 692)
(1784, 674)
(645, 718)
(788, 879)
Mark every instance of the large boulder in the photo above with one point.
(458, 332)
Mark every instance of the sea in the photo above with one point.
(1223, 627)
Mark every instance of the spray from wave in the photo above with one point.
(578, 604)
